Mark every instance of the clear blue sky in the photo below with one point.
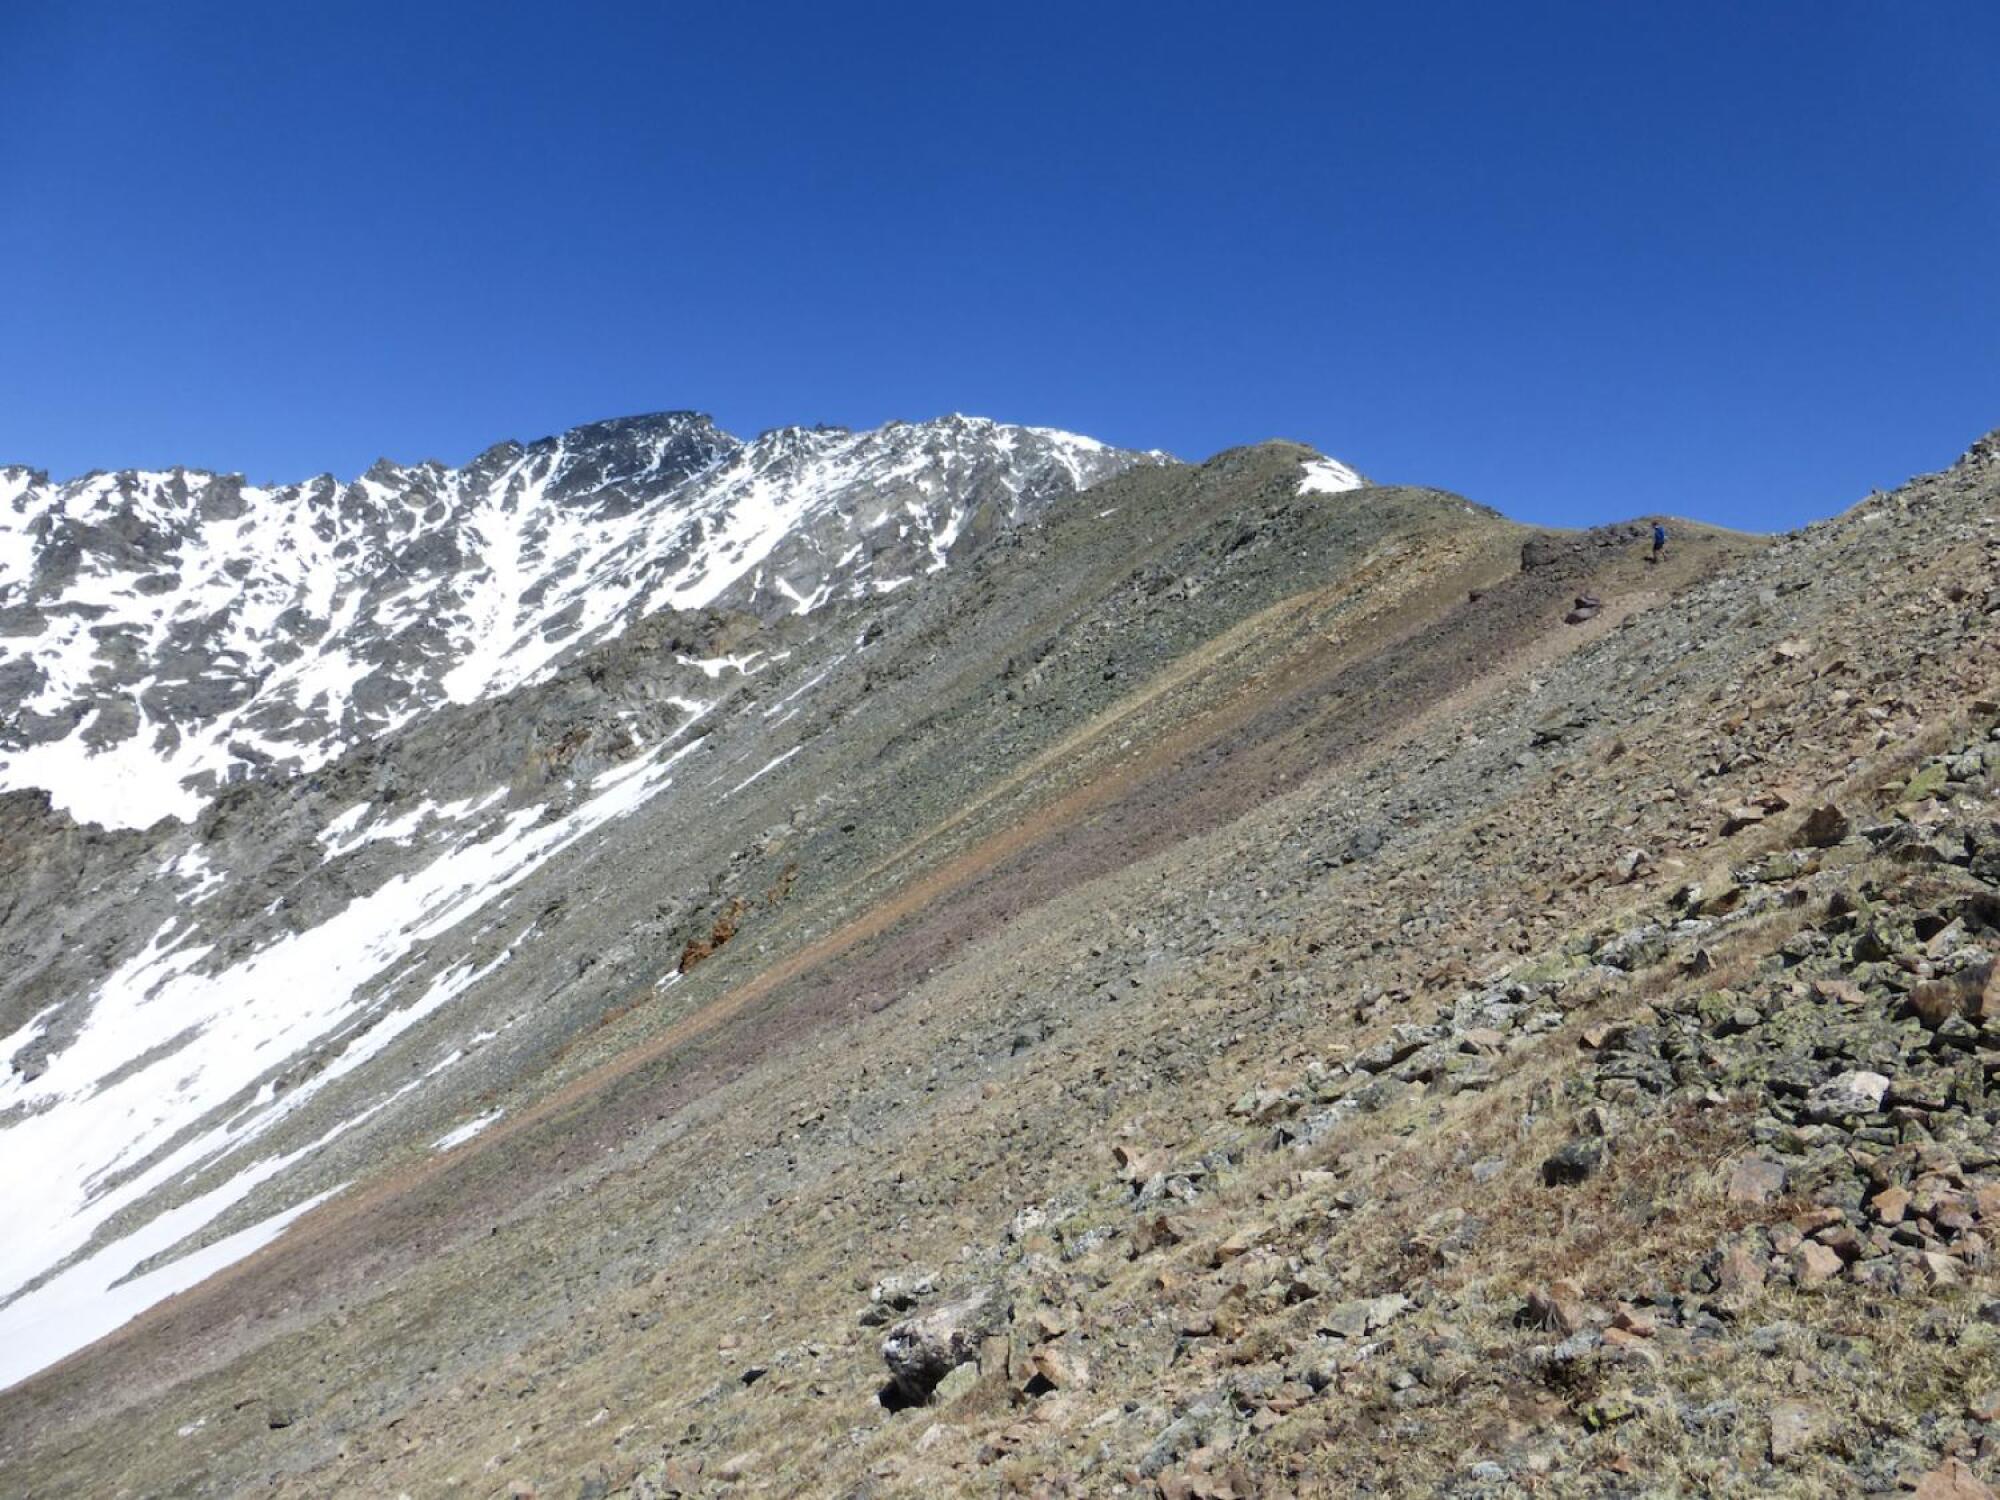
(1575, 260)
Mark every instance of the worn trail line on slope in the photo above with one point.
(1313, 712)
(348, 1241)
(1288, 621)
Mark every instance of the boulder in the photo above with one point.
(921, 1351)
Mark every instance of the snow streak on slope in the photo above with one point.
(162, 634)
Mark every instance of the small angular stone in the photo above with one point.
(1739, 1270)
(1792, 1429)
(1814, 1264)
(1756, 1180)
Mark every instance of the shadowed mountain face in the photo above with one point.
(169, 633)
(1147, 980)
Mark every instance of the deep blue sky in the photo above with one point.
(1578, 261)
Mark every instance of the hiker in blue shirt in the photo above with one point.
(1659, 540)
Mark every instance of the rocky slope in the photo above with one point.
(1233, 987)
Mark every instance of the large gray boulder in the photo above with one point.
(921, 1351)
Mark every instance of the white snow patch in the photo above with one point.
(465, 1132)
(762, 771)
(1326, 476)
(714, 666)
(338, 828)
(126, 785)
(91, 1298)
(395, 831)
(194, 865)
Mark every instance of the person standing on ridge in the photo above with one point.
(1659, 541)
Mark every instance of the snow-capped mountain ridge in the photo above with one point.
(165, 632)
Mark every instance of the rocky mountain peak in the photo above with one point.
(164, 633)
(1984, 453)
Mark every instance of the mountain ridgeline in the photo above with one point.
(959, 959)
